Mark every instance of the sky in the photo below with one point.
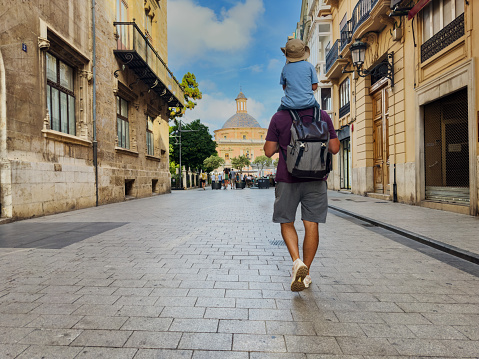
(231, 45)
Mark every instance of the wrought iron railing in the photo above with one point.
(361, 13)
(343, 111)
(346, 34)
(332, 55)
(452, 32)
(130, 38)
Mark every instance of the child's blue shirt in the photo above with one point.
(299, 78)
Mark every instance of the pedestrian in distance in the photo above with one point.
(225, 180)
(204, 177)
(232, 176)
(220, 179)
(290, 191)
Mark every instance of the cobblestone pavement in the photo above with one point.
(203, 274)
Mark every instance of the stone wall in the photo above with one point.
(41, 175)
(118, 166)
(43, 171)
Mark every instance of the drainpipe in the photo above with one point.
(95, 144)
(395, 189)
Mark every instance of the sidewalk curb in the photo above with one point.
(455, 251)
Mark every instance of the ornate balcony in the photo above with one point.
(452, 32)
(346, 34)
(334, 63)
(343, 111)
(136, 52)
(368, 16)
(361, 12)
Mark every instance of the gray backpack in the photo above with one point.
(307, 155)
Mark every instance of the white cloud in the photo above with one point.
(206, 85)
(233, 70)
(256, 68)
(212, 110)
(274, 64)
(197, 32)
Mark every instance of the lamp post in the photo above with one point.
(383, 69)
(177, 134)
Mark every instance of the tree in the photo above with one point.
(275, 163)
(262, 162)
(196, 145)
(173, 165)
(213, 162)
(240, 162)
(192, 93)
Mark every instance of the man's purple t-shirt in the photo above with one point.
(280, 131)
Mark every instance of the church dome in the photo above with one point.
(241, 120)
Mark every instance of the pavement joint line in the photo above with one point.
(455, 251)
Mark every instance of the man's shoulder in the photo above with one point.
(281, 116)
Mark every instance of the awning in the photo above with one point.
(344, 133)
(418, 7)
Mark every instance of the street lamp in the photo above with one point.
(358, 53)
(383, 69)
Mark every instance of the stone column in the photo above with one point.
(189, 175)
(183, 177)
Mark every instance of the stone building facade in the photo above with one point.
(241, 135)
(84, 97)
(411, 104)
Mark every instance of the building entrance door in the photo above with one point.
(380, 142)
(446, 155)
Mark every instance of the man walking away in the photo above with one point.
(290, 191)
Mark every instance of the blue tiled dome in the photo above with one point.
(241, 120)
(240, 95)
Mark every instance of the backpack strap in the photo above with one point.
(323, 149)
(297, 118)
(317, 112)
(284, 155)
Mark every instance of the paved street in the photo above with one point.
(204, 274)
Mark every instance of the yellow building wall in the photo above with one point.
(232, 144)
(411, 78)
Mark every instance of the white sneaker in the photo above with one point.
(307, 281)
(300, 271)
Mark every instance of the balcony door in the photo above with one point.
(122, 30)
(380, 142)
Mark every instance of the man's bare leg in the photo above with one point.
(311, 241)
(291, 239)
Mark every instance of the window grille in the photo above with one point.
(442, 24)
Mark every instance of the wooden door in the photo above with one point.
(380, 142)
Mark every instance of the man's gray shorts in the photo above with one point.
(313, 197)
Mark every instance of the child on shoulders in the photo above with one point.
(298, 78)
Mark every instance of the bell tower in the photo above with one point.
(241, 103)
